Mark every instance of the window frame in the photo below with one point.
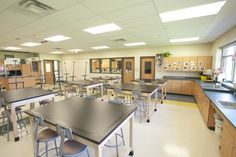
(223, 58)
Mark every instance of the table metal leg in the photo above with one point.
(131, 136)
(156, 101)
(102, 90)
(32, 123)
(148, 108)
(14, 121)
(32, 105)
(98, 151)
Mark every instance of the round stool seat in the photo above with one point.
(47, 135)
(73, 147)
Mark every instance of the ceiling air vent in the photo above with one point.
(120, 40)
(36, 7)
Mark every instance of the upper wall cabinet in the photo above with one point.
(189, 63)
(204, 62)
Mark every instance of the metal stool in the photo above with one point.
(44, 136)
(70, 147)
(119, 97)
(81, 91)
(6, 118)
(45, 102)
(140, 102)
(121, 134)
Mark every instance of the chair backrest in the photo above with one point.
(115, 102)
(136, 94)
(64, 132)
(2, 103)
(38, 122)
(117, 90)
(90, 97)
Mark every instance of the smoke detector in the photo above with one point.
(35, 7)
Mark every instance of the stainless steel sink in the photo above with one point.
(227, 104)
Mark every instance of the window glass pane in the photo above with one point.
(105, 65)
(116, 65)
(148, 67)
(95, 67)
(228, 68)
(228, 51)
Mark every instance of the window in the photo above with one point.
(95, 65)
(228, 62)
(116, 65)
(148, 67)
(105, 64)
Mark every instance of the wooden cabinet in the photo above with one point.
(26, 70)
(228, 140)
(173, 64)
(205, 107)
(189, 63)
(187, 87)
(204, 62)
(174, 86)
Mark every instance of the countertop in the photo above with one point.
(211, 86)
(9, 77)
(215, 96)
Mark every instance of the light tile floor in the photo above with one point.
(176, 130)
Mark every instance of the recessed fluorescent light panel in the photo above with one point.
(103, 28)
(135, 44)
(192, 12)
(30, 44)
(100, 47)
(57, 38)
(184, 39)
(75, 50)
(12, 48)
(57, 52)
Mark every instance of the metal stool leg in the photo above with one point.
(37, 149)
(46, 146)
(55, 142)
(117, 150)
(122, 136)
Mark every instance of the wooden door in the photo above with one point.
(128, 70)
(147, 68)
(48, 71)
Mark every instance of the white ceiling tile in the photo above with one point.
(18, 16)
(170, 5)
(6, 27)
(89, 22)
(43, 24)
(194, 29)
(102, 6)
(132, 12)
(72, 14)
(150, 19)
(59, 4)
(189, 22)
(145, 28)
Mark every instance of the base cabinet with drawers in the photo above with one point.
(228, 140)
(180, 87)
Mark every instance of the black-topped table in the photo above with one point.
(162, 83)
(148, 90)
(110, 80)
(92, 122)
(88, 84)
(24, 96)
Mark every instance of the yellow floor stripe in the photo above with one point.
(180, 103)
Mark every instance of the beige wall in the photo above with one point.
(46, 56)
(177, 50)
(226, 38)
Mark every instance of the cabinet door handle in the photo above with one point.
(232, 149)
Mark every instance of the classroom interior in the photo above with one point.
(107, 78)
